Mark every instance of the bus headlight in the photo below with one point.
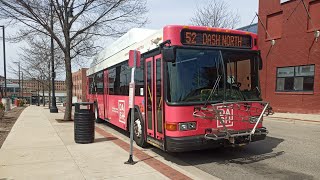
(187, 126)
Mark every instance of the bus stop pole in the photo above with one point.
(131, 105)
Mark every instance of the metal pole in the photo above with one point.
(43, 99)
(38, 103)
(4, 62)
(49, 85)
(19, 81)
(53, 108)
(131, 105)
(22, 83)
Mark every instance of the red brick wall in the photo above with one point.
(79, 84)
(295, 46)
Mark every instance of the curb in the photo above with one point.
(293, 119)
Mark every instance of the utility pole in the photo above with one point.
(22, 83)
(53, 108)
(4, 61)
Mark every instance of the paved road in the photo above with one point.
(291, 151)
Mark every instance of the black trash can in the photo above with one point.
(84, 123)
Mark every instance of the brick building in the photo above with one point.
(79, 80)
(290, 78)
(32, 85)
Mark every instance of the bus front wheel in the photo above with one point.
(139, 131)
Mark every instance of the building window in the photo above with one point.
(274, 25)
(298, 78)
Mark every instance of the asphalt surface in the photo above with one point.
(291, 151)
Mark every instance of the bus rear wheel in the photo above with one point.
(139, 131)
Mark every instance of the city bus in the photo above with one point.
(195, 88)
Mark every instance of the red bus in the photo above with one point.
(196, 88)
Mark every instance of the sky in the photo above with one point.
(161, 13)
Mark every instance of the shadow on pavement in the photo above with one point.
(251, 153)
(104, 139)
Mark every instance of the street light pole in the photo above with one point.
(53, 108)
(38, 103)
(4, 62)
(22, 84)
(19, 81)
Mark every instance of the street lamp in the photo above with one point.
(4, 62)
(38, 103)
(53, 108)
(19, 78)
(22, 84)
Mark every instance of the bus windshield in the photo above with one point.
(200, 75)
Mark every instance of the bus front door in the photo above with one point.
(154, 101)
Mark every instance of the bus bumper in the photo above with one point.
(181, 144)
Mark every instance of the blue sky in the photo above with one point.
(161, 13)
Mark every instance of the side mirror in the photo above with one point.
(168, 54)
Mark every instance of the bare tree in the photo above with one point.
(35, 61)
(215, 13)
(35, 58)
(91, 18)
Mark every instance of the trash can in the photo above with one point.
(84, 123)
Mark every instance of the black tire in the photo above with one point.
(139, 131)
(96, 114)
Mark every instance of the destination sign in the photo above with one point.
(220, 39)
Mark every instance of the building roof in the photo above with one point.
(250, 28)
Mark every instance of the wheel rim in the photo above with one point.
(137, 128)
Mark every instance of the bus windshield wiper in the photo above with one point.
(215, 86)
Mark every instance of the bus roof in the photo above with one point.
(118, 51)
(143, 40)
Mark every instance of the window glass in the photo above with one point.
(299, 78)
(138, 79)
(119, 79)
(91, 85)
(125, 78)
(298, 83)
(99, 82)
(308, 83)
(193, 75)
(149, 95)
(159, 98)
(285, 72)
(112, 77)
(304, 70)
(280, 84)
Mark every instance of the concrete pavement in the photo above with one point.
(39, 147)
(313, 118)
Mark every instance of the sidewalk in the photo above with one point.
(39, 147)
(315, 118)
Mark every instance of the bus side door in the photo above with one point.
(154, 100)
